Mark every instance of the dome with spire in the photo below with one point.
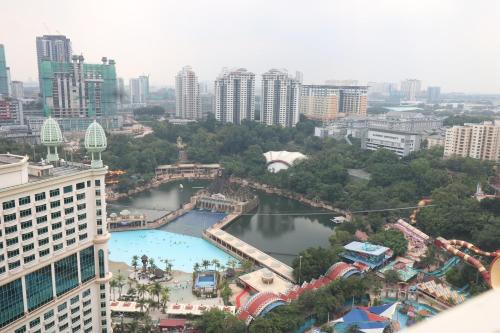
(50, 134)
(95, 138)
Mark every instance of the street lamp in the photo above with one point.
(300, 268)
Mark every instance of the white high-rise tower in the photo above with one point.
(280, 99)
(187, 94)
(235, 96)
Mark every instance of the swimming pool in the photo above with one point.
(183, 251)
(204, 280)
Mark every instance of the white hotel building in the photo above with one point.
(53, 241)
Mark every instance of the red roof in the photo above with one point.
(172, 323)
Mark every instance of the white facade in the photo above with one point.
(17, 89)
(410, 89)
(400, 143)
(280, 99)
(139, 90)
(53, 248)
(235, 96)
(187, 94)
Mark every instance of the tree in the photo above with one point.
(142, 289)
(226, 293)
(314, 262)
(135, 263)
(156, 289)
(120, 282)
(113, 284)
(164, 298)
(205, 263)
(217, 321)
(391, 277)
(392, 239)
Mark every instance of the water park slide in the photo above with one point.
(492, 277)
(442, 270)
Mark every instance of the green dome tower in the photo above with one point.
(95, 143)
(51, 137)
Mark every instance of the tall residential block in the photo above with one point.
(280, 99)
(353, 100)
(187, 94)
(480, 141)
(433, 94)
(77, 89)
(410, 89)
(54, 274)
(235, 96)
(319, 102)
(4, 75)
(139, 90)
(55, 48)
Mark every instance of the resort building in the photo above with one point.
(373, 256)
(282, 160)
(480, 141)
(188, 170)
(126, 220)
(53, 250)
(235, 96)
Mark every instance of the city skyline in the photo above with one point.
(386, 41)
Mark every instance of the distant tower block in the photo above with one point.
(95, 143)
(51, 137)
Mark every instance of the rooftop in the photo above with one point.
(256, 280)
(366, 248)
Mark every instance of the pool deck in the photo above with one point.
(240, 249)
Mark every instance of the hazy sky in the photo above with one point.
(451, 43)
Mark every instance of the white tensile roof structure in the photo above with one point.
(282, 160)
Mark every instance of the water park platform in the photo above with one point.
(173, 309)
(185, 169)
(368, 254)
(265, 280)
(245, 251)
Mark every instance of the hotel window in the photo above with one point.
(82, 226)
(98, 182)
(11, 307)
(87, 264)
(66, 272)
(68, 200)
(24, 213)
(12, 241)
(9, 217)
(56, 226)
(97, 192)
(98, 203)
(55, 215)
(70, 231)
(29, 258)
(99, 212)
(70, 241)
(86, 292)
(55, 204)
(64, 316)
(24, 200)
(39, 289)
(43, 230)
(2, 270)
(61, 307)
(75, 310)
(14, 264)
(34, 322)
(87, 303)
(57, 236)
(49, 325)
(57, 247)
(69, 210)
(9, 204)
(54, 192)
(99, 221)
(12, 253)
(102, 271)
(80, 196)
(41, 219)
(20, 330)
(82, 237)
(27, 236)
(43, 242)
(40, 196)
(43, 253)
(88, 183)
(74, 300)
(80, 186)
(29, 247)
(9, 230)
(63, 327)
(82, 217)
(68, 189)
(81, 206)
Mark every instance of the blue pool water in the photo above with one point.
(183, 251)
(205, 280)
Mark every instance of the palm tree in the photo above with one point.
(113, 284)
(141, 290)
(120, 280)
(164, 298)
(231, 263)
(216, 264)
(151, 264)
(135, 263)
(133, 327)
(205, 263)
(144, 260)
(141, 302)
(156, 289)
(196, 267)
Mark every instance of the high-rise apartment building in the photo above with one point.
(280, 99)
(56, 48)
(235, 96)
(410, 89)
(319, 102)
(11, 112)
(139, 90)
(54, 274)
(187, 94)
(433, 94)
(4, 74)
(17, 89)
(77, 89)
(353, 100)
(121, 91)
(480, 141)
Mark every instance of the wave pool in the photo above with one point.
(183, 251)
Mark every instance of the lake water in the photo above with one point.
(279, 226)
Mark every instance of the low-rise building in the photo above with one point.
(401, 143)
(371, 255)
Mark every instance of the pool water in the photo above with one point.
(183, 251)
(403, 318)
(205, 280)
